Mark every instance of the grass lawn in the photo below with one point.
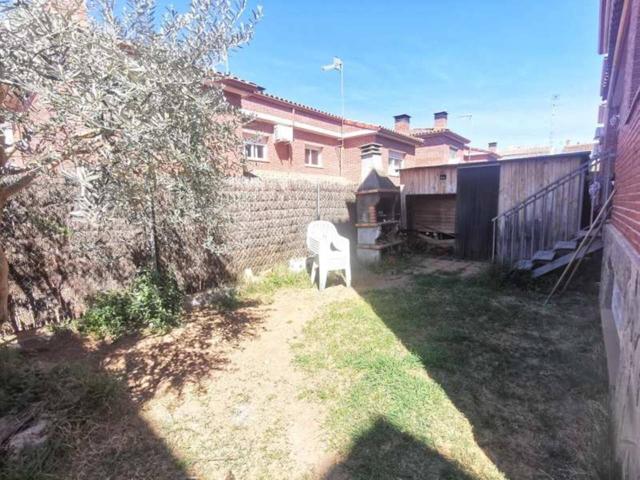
(452, 378)
(410, 375)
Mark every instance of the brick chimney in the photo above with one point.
(493, 147)
(402, 123)
(440, 119)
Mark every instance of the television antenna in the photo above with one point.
(554, 107)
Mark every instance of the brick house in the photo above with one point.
(489, 154)
(440, 144)
(619, 147)
(288, 138)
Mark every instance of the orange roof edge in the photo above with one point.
(257, 90)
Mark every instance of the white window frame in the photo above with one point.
(254, 139)
(453, 154)
(315, 148)
(395, 156)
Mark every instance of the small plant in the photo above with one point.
(153, 301)
(108, 315)
(156, 300)
(229, 299)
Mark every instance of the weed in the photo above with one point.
(153, 301)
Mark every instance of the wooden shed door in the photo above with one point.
(477, 205)
(431, 213)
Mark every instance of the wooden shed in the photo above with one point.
(522, 177)
(553, 214)
(462, 199)
(429, 198)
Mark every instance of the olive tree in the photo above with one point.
(123, 102)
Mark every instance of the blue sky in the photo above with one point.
(499, 60)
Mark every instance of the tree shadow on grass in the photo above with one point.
(118, 443)
(531, 381)
(183, 357)
(93, 428)
(384, 452)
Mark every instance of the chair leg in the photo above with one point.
(314, 267)
(323, 277)
(347, 275)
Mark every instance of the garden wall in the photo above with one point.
(620, 313)
(269, 218)
(55, 263)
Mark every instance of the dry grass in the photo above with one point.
(407, 376)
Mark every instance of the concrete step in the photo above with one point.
(566, 245)
(544, 256)
(583, 233)
(565, 259)
(524, 265)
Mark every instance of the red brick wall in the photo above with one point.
(289, 158)
(352, 166)
(284, 157)
(435, 151)
(623, 134)
(626, 203)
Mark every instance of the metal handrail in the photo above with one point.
(549, 188)
(544, 195)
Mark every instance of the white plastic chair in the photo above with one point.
(330, 251)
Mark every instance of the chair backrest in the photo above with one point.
(320, 233)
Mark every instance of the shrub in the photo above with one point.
(153, 301)
(156, 300)
(109, 315)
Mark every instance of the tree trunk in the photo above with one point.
(5, 193)
(153, 226)
(157, 261)
(4, 287)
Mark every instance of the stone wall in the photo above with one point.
(620, 309)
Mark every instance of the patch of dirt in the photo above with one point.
(231, 403)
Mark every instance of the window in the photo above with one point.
(395, 162)
(313, 156)
(453, 155)
(255, 147)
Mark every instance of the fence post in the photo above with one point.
(493, 243)
(318, 201)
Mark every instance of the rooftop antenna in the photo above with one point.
(554, 106)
